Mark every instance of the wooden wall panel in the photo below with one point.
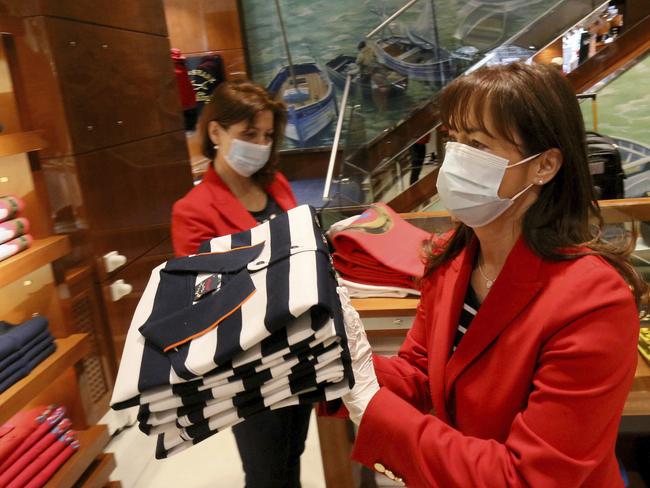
(197, 26)
(120, 313)
(139, 181)
(141, 15)
(118, 86)
(8, 109)
(123, 194)
(42, 95)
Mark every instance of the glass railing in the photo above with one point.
(381, 129)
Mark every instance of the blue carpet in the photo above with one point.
(309, 191)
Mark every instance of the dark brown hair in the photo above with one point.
(537, 104)
(241, 100)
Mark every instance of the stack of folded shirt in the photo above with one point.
(14, 235)
(251, 323)
(22, 348)
(379, 253)
(34, 444)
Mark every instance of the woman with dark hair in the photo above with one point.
(242, 128)
(523, 349)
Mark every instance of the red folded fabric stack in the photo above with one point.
(380, 248)
(33, 445)
(14, 235)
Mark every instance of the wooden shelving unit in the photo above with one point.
(68, 352)
(41, 252)
(55, 380)
(20, 142)
(92, 442)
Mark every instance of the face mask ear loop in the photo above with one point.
(522, 192)
(523, 161)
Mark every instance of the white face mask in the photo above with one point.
(469, 181)
(247, 158)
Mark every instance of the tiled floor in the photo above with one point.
(213, 463)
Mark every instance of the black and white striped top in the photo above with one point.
(467, 314)
(271, 275)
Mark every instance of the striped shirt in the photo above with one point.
(251, 323)
(467, 314)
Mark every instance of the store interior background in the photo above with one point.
(93, 140)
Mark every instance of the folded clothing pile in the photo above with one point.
(251, 323)
(22, 348)
(378, 253)
(34, 444)
(14, 230)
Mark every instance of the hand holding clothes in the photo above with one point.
(532, 396)
(365, 380)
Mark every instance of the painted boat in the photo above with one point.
(311, 102)
(338, 68)
(418, 54)
(484, 22)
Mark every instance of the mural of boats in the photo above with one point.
(309, 96)
(484, 22)
(339, 67)
(418, 55)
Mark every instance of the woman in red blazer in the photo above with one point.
(242, 128)
(522, 353)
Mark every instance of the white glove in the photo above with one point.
(365, 380)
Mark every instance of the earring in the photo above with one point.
(540, 181)
(215, 147)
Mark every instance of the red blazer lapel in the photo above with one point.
(450, 294)
(280, 191)
(228, 206)
(515, 287)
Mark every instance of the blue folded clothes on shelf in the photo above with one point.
(22, 348)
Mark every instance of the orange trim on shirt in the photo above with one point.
(205, 331)
(230, 250)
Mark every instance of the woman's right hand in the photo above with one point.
(365, 379)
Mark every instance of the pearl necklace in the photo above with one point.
(488, 281)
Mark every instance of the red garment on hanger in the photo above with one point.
(185, 88)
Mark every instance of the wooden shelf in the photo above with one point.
(41, 252)
(68, 352)
(21, 142)
(97, 475)
(92, 443)
(385, 307)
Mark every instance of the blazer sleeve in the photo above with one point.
(190, 227)
(406, 374)
(585, 370)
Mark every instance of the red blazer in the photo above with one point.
(534, 393)
(211, 210)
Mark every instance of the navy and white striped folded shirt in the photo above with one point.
(175, 440)
(270, 276)
(251, 323)
(198, 407)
